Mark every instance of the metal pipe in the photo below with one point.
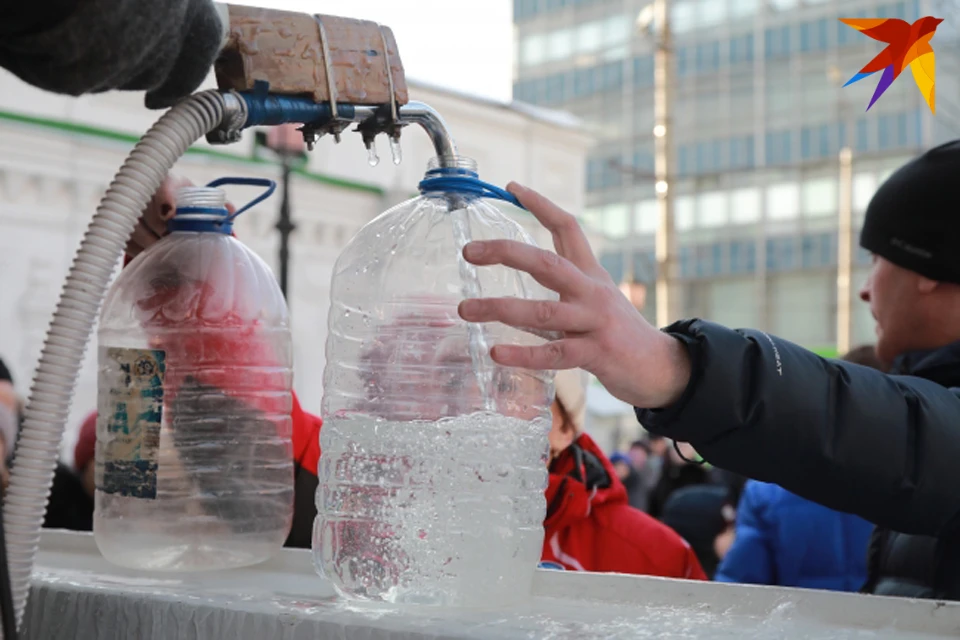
(430, 121)
(845, 253)
(248, 110)
(667, 303)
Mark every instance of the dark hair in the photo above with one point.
(564, 415)
(865, 355)
(640, 444)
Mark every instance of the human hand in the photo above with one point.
(152, 224)
(600, 330)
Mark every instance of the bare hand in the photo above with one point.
(601, 331)
(153, 223)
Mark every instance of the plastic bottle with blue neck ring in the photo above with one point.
(195, 399)
(436, 438)
(459, 176)
(204, 209)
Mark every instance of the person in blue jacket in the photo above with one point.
(783, 539)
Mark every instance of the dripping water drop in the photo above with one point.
(396, 150)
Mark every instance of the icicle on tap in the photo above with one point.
(372, 158)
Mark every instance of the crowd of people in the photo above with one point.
(829, 445)
(656, 509)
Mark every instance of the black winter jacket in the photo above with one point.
(884, 447)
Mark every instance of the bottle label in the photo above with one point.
(131, 450)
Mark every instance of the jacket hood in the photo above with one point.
(581, 479)
(937, 365)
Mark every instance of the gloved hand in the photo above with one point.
(166, 47)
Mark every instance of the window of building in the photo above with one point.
(556, 85)
(885, 132)
(552, 5)
(683, 16)
(820, 197)
(684, 213)
(903, 134)
(616, 29)
(806, 143)
(711, 13)
(864, 186)
(741, 49)
(683, 62)
(782, 5)
(916, 128)
(685, 165)
(592, 219)
(589, 37)
(611, 78)
(743, 256)
(647, 217)
(745, 205)
(560, 44)
(821, 38)
(743, 8)
(524, 9)
(824, 149)
(781, 254)
(533, 50)
(616, 220)
(712, 209)
(863, 135)
(741, 152)
(708, 57)
(777, 42)
(779, 149)
(583, 82)
(687, 262)
(643, 71)
(783, 201)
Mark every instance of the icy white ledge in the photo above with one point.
(76, 594)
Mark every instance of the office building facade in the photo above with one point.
(759, 117)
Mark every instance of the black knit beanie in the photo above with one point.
(913, 219)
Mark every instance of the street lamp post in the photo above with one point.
(286, 142)
(663, 137)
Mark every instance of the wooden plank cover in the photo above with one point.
(284, 49)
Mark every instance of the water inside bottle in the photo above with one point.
(470, 288)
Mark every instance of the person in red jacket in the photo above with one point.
(589, 525)
(305, 427)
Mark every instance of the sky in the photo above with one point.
(465, 45)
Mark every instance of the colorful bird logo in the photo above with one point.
(907, 44)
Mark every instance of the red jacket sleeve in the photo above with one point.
(306, 438)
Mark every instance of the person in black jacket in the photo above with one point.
(884, 447)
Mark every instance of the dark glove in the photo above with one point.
(164, 47)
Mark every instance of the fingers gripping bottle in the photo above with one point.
(194, 463)
(433, 469)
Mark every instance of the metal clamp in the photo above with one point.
(336, 125)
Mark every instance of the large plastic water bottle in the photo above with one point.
(194, 463)
(434, 459)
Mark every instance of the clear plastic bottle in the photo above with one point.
(194, 463)
(433, 464)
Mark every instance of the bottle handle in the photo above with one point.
(270, 185)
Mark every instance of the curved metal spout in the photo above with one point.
(430, 120)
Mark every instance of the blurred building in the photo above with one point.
(759, 119)
(58, 155)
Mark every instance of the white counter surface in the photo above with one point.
(78, 595)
